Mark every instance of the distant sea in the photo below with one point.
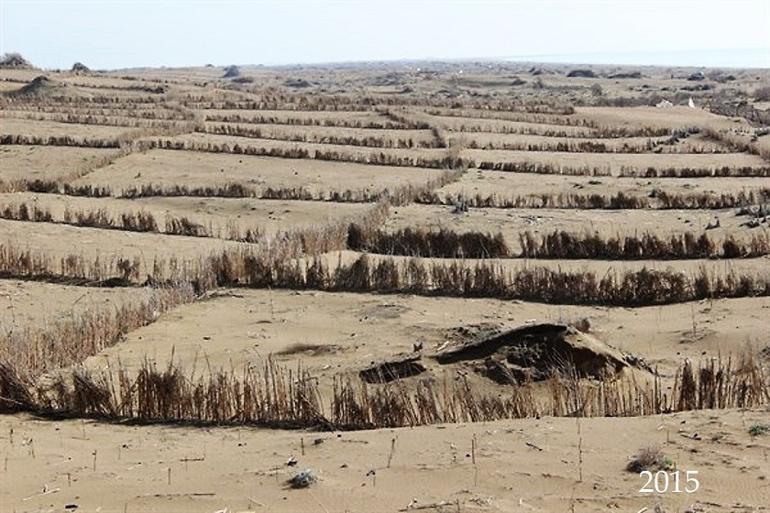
(744, 58)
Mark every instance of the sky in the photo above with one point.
(112, 34)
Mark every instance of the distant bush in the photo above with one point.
(762, 94)
(581, 73)
(232, 72)
(14, 60)
(79, 67)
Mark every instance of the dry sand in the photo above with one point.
(168, 168)
(520, 466)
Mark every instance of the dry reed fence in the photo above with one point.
(71, 340)
(275, 264)
(660, 200)
(368, 141)
(561, 244)
(555, 117)
(485, 279)
(688, 172)
(92, 119)
(442, 243)
(627, 172)
(97, 113)
(133, 221)
(567, 146)
(606, 132)
(379, 159)
(270, 99)
(259, 119)
(270, 395)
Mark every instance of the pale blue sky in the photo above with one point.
(129, 33)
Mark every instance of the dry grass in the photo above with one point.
(274, 396)
(620, 200)
(34, 350)
(566, 245)
(443, 243)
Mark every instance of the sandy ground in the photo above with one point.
(517, 466)
(615, 162)
(674, 117)
(498, 126)
(492, 140)
(320, 116)
(339, 332)
(505, 184)
(757, 267)
(35, 128)
(531, 465)
(318, 133)
(267, 216)
(168, 167)
(361, 152)
(60, 241)
(47, 162)
(24, 303)
(513, 222)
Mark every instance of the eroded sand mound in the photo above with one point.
(44, 87)
(535, 352)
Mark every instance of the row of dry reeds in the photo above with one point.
(626, 172)
(70, 340)
(605, 132)
(545, 169)
(110, 119)
(312, 240)
(136, 221)
(566, 146)
(399, 195)
(276, 397)
(101, 113)
(274, 265)
(459, 278)
(558, 116)
(60, 140)
(561, 244)
(271, 99)
(659, 200)
(373, 158)
(363, 141)
(442, 243)
(260, 119)
(559, 145)
(687, 172)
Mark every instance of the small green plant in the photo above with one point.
(759, 429)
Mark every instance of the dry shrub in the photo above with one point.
(649, 458)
